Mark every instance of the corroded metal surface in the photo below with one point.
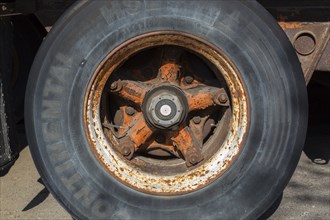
(189, 146)
(131, 90)
(203, 97)
(324, 62)
(143, 173)
(140, 132)
(310, 41)
(169, 72)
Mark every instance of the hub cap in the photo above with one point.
(165, 107)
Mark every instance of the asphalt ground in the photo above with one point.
(307, 196)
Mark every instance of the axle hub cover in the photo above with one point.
(165, 107)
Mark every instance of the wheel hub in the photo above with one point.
(122, 128)
(165, 107)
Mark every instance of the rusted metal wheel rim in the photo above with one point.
(121, 149)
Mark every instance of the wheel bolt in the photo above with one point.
(197, 119)
(4, 8)
(193, 159)
(188, 79)
(126, 151)
(114, 86)
(130, 111)
(222, 98)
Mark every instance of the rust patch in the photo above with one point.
(133, 91)
(290, 25)
(202, 97)
(170, 72)
(189, 146)
(140, 132)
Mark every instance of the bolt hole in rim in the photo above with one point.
(167, 175)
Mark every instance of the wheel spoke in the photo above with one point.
(137, 135)
(189, 146)
(169, 72)
(202, 97)
(130, 90)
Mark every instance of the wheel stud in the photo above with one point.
(130, 111)
(188, 79)
(197, 119)
(223, 98)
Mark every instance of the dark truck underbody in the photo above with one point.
(306, 23)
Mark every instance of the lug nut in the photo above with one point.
(197, 119)
(188, 79)
(222, 98)
(114, 86)
(193, 159)
(130, 111)
(126, 151)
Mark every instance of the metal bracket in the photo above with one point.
(309, 40)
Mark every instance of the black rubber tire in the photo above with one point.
(89, 31)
